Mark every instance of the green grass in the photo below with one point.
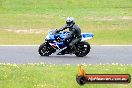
(109, 20)
(101, 37)
(56, 76)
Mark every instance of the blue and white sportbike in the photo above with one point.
(54, 44)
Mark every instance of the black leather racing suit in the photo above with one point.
(74, 36)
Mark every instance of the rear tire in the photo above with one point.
(45, 49)
(83, 48)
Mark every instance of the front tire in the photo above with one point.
(45, 49)
(83, 48)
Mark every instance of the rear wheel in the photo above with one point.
(45, 49)
(83, 48)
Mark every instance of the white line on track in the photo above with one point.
(111, 45)
(91, 45)
(19, 45)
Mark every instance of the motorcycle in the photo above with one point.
(54, 44)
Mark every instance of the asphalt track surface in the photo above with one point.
(98, 54)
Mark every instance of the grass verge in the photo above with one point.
(56, 76)
(110, 21)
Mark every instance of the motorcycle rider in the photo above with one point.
(74, 36)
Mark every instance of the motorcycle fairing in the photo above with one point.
(86, 36)
(62, 35)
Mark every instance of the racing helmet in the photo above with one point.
(70, 21)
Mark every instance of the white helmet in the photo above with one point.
(70, 21)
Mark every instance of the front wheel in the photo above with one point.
(83, 48)
(45, 49)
